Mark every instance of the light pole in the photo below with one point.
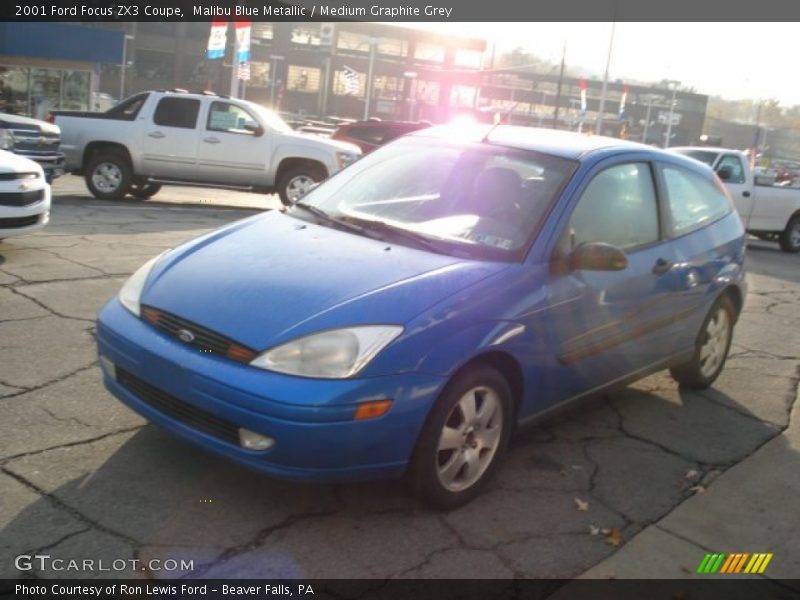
(124, 64)
(598, 128)
(412, 92)
(650, 99)
(674, 85)
(370, 74)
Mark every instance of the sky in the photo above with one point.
(733, 60)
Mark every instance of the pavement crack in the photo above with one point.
(59, 541)
(64, 419)
(6, 459)
(52, 311)
(61, 505)
(58, 379)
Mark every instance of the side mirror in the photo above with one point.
(725, 173)
(254, 128)
(597, 256)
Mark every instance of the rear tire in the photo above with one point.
(463, 439)
(108, 175)
(790, 237)
(711, 348)
(296, 182)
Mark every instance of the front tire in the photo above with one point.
(296, 182)
(108, 176)
(711, 348)
(790, 237)
(463, 439)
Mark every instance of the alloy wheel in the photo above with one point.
(715, 346)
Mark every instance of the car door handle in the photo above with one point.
(211, 140)
(156, 134)
(746, 194)
(662, 266)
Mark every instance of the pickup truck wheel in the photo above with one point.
(108, 176)
(790, 238)
(295, 183)
(143, 191)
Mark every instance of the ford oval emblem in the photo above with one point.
(185, 335)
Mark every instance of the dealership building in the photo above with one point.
(322, 70)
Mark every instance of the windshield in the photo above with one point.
(271, 119)
(704, 156)
(486, 198)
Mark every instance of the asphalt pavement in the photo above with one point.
(641, 483)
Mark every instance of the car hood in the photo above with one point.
(28, 123)
(273, 278)
(14, 163)
(325, 142)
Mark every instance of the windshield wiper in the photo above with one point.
(324, 216)
(383, 229)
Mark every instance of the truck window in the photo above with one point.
(229, 118)
(735, 164)
(127, 109)
(177, 112)
(693, 201)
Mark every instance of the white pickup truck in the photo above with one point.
(175, 137)
(768, 211)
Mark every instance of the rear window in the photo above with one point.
(128, 108)
(177, 112)
(368, 134)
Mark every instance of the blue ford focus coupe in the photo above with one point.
(413, 311)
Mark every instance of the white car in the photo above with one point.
(24, 196)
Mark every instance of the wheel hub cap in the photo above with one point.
(713, 350)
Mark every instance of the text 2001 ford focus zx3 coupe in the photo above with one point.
(412, 311)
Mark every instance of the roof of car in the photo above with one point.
(566, 144)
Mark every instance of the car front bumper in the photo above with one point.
(205, 398)
(22, 220)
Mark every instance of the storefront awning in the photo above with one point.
(60, 41)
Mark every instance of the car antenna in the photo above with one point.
(498, 118)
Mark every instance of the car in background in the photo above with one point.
(373, 133)
(411, 312)
(37, 140)
(24, 196)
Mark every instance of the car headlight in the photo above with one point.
(345, 158)
(6, 140)
(131, 290)
(334, 354)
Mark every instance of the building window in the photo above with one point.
(392, 47)
(344, 86)
(429, 52)
(14, 90)
(75, 90)
(262, 31)
(356, 42)
(427, 91)
(387, 88)
(305, 34)
(462, 96)
(303, 79)
(259, 74)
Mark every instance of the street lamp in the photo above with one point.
(650, 98)
(412, 92)
(674, 84)
(124, 64)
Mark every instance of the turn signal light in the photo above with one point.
(372, 410)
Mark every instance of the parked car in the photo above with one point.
(39, 141)
(195, 139)
(24, 196)
(769, 211)
(373, 133)
(414, 310)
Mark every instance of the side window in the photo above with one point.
(127, 109)
(618, 207)
(370, 134)
(229, 118)
(693, 200)
(177, 112)
(734, 163)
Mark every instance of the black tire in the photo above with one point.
(143, 191)
(427, 459)
(790, 237)
(289, 177)
(695, 373)
(117, 180)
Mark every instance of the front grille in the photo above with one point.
(204, 339)
(179, 410)
(35, 142)
(16, 176)
(21, 198)
(17, 222)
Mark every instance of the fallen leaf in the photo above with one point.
(697, 489)
(594, 530)
(692, 474)
(581, 505)
(614, 537)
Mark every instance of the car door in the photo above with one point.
(169, 144)
(602, 326)
(738, 187)
(233, 149)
